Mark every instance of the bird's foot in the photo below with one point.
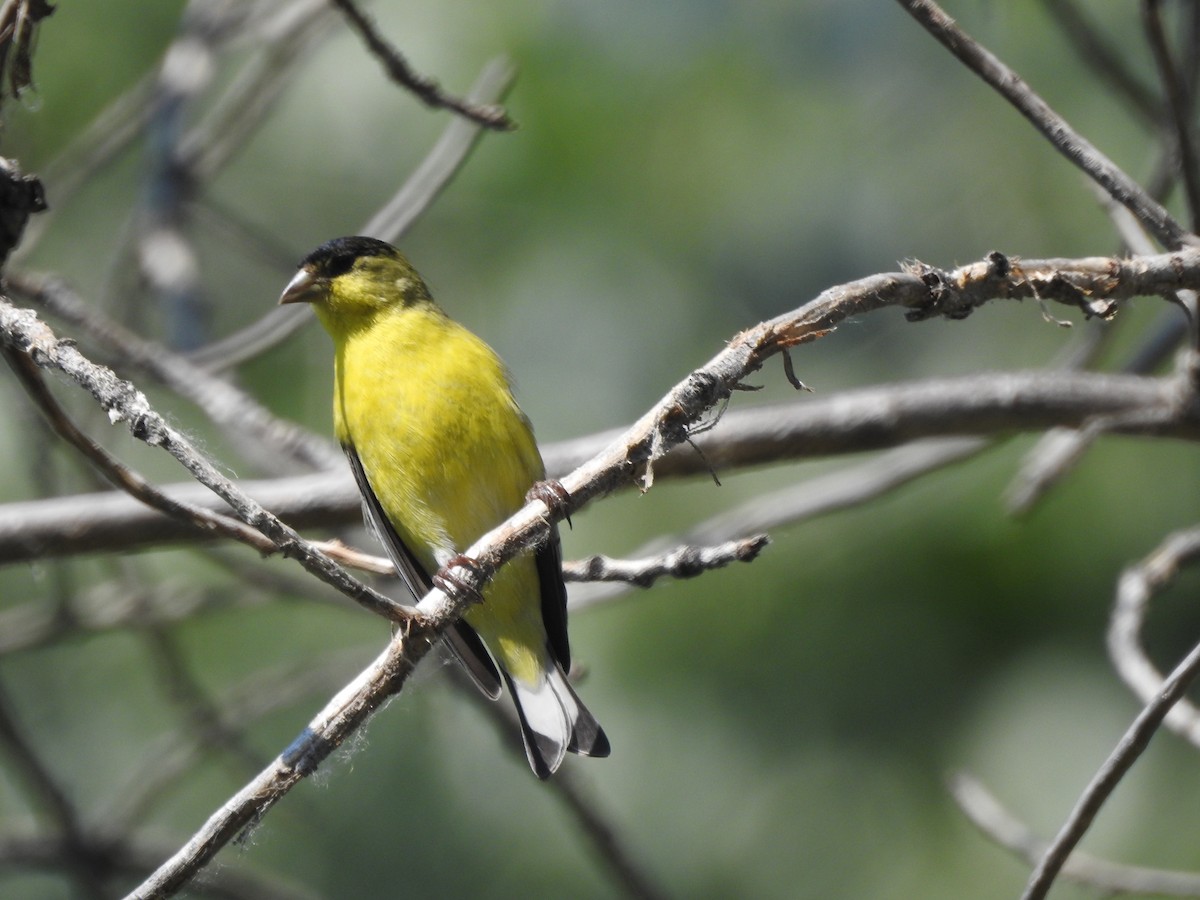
(554, 495)
(448, 582)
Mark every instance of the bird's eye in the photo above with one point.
(339, 264)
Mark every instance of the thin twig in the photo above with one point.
(924, 291)
(853, 421)
(120, 475)
(422, 186)
(1124, 755)
(50, 797)
(222, 402)
(1107, 64)
(602, 836)
(427, 89)
(1178, 123)
(686, 561)
(883, 417)
(1052, 126)
(1136, 588)
(1002, 827)
(22, 331)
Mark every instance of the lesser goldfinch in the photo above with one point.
(442, 453)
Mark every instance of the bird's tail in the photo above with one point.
(554, 720)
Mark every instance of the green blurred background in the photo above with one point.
(681, 171)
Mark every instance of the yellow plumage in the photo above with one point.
(442, 454)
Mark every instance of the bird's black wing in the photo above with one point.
(554, 599)
(462, 640)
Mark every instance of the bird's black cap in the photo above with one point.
(335, 257)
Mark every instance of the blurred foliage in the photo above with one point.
(681, 171)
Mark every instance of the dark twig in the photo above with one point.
(1052, 126)
(80, 863)
(427, 89)
(1107, 64)
(176, 754)
(603, 836)
(1178, 123)
(19, 21)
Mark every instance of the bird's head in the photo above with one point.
(350, 280)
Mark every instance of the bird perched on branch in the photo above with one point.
(442, 453)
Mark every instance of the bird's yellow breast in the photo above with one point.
(428, 409)
(449, 455)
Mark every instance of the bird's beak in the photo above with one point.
(305, 287)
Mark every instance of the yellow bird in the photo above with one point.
(442, 453)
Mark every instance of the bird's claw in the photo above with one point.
(446, 581)
(554, 495)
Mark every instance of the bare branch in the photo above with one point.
(866, 419)
(1137, 586)
(924, 291)
(428, 90)
(1183, 143)
(225, 404)
(602, 835)
(1001, 826)
(1106, 63)
(1122, 758)
(121, 475)
(686, 561)
(352, 706)
(1052, 126)
(425, 183)
(21, 331)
